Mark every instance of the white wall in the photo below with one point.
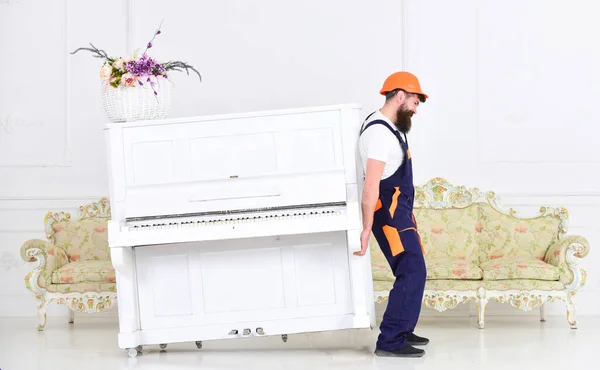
(268, 54)
(51, 143)
(512, 89)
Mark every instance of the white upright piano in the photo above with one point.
(239, 225)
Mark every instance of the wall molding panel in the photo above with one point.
(20, 127)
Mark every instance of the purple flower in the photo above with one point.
(145, 66)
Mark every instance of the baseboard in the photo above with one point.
(24, 305)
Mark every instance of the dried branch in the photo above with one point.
(97, 53)
(178, 65)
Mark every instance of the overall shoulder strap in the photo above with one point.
(362, 128)
(379, 122)
(402, 142)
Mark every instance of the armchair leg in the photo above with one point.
(71, 316)
(41, 313)
(543, 312)
(481, 303)
(571, 314)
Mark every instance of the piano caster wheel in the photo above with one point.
(139, 348)
(199, 344)
(132, 352)
(162, 345)
(284, 338)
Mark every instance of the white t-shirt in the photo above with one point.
(378, 142)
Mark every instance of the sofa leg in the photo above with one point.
(481, 303)
(41, 313)
(571, 315)
(71, 316)
(543, 312)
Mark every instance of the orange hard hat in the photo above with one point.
(402, 80)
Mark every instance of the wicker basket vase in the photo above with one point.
(125, 104)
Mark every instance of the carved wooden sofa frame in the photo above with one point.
(88, 297)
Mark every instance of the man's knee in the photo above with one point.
(412, 264)
(420, 269)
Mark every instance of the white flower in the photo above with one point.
(105, 71)
(119, 64)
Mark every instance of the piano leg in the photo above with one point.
(362, 279)
(124, 262)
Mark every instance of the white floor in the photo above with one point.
(456, 343)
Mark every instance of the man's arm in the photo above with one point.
(369, 201)
(371, 191)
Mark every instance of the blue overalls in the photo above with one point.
(395, 229)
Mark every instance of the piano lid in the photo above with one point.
(240, 163)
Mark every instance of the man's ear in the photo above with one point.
(401, 96)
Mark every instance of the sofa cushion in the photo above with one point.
(452, 269)
(519, 268)
(85, 272)
(473, 285)
(82, 288)
(501, 236)
(449, 233)
(83, 240)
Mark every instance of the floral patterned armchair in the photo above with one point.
(73, 266)
(476, 250)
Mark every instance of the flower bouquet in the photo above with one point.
(136, 87)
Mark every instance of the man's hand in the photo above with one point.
(364, 242)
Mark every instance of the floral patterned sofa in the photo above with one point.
(73, 266)
(477, 251)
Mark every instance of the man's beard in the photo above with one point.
(403, 119)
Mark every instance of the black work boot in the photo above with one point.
(408, 351)
(416, 340)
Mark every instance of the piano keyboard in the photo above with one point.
(231, 225)
(193, 222)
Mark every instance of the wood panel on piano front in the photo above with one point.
(211, 165)
(245, 284)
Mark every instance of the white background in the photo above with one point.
(512, 89)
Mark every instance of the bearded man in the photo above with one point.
(387, 211)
